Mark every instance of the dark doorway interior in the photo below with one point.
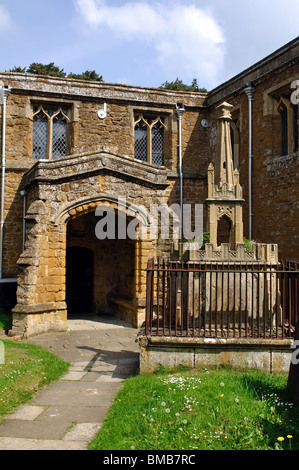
(224, 230)
(79, 280)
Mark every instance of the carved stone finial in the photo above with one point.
(224, 158)
(224, 110)
(224, 202)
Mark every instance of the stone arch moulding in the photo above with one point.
(225, 227)
(131, 310)
(225, 212)
(89, 204)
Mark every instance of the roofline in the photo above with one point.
(236, 83)
(21, 78)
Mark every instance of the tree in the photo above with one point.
(49, 69)
(87, 75)
(17, 69)
(180, 86)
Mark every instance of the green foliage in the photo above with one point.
(48, 69)
(26, 369)
(206, 410)
(52, 70)
(5, 319)
(249, 246)
(87, 75)
(203, 239)
(178, 85)
(18, 69)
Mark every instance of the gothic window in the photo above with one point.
(158, 144)
(141, 141)
(40, 135)
(149, 139)
(49, 132)
(288, 126)
(284, 129)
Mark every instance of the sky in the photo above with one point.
(146, 42)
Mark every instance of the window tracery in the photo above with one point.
(288, 126)
(149, 139)
(49, 132)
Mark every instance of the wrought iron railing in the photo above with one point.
(222, 300)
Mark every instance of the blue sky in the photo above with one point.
(146, 42)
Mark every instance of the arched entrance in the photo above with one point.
(79, 280)
(100, 273)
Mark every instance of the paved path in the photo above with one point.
(67, 414)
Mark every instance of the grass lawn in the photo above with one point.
(205, 410)
(26, 369)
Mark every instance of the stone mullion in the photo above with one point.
(149, 143)
(50, 138)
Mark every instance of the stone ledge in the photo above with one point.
(39, 308)
(272, 356)
(179, 341)
(122, 302)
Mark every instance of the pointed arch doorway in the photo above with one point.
(224, 230)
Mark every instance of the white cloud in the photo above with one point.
(127, 20)
(5, 20)
(187, 41)
(253, 31)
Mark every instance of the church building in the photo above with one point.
(81, 160)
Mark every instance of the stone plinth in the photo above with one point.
(195, 252)
(272, 356)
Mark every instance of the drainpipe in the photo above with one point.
(5, 91)
(249, 90)
(180, 109)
